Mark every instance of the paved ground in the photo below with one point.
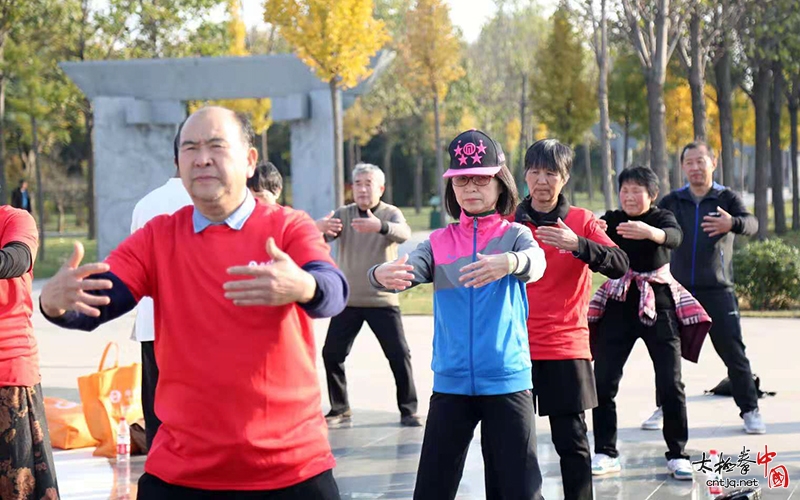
(377, 458)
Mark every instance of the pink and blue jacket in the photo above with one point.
(480, 340)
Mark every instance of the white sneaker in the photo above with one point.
(680, 468)
(753, 424)
(655, 421)
(602, 464)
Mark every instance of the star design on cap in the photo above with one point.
(481, 148)
(462, 160)
(457, 150)
(476, 159)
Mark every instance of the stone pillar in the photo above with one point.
(132, 156)
(313, 157)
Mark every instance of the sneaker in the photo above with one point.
(680, 468)
(753, 424)
(655, 421)
(602, 464)
(410, 421)
(334, 419)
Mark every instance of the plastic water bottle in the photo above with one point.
(123, 441)
(716, 488)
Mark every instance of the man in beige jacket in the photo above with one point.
(368, 232)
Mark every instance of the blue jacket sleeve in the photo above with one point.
(122, 301)
(332, 290)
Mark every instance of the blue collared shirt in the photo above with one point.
(234, 221)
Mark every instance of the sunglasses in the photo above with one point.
(478, 180)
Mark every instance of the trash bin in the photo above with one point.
(436, 221)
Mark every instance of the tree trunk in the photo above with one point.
(388, 147)
(439, 157)
(776, 161)
(3, 182)
(338, 149)
(351, 154)
(722, 70)
(697, 78)
(264, 145)
(793, 108)
(602, 98)
(418, 172)
(61, 217)
(741, 166)
(761, 104)
(626, 141)
(39, 186)
(677, 174)
(358, 153)
(658, 131)
(88, 118)
(587, 146)
(523, 131)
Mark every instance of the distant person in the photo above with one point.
(164, 200)
(711, 215)
(266, 184)
(481, 363)
(235, 285)
(368, 231)
(574, 246)
(20, 197)
(27, 471)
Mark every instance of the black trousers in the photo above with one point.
(726, 335)
(508, 442)
(320, 487)
(387, 325)
(149, 382)
(563, 390)
(617, 332)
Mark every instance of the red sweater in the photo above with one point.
(19, 353)
(559, 301)
(238, 392)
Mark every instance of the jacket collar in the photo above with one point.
(526, 214)
(486, 221)
(713, 193)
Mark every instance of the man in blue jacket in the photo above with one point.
(710, 215)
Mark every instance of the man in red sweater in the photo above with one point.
(558, 330)
(235, 284)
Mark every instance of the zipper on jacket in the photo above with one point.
(694, 247)
(472, 305)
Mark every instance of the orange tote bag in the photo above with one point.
(107, 395)
(67, 425)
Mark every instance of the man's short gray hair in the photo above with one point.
(369, 168)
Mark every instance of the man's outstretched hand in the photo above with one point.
(66, 291)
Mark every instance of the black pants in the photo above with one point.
(387, 325)
(149, 382)
(508, 441)
(564, 389)
(617, 332)
(320, 487)
(726, 335)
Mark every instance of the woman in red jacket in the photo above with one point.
(558, 330)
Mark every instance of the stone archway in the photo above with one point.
(139, 103)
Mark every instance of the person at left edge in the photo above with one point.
(235, 284)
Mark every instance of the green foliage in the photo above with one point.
(768, 274)
(627, 101)
(563, 93)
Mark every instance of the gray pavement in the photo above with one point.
(376, 458)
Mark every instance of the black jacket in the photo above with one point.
(702, 262)
(16, 200)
